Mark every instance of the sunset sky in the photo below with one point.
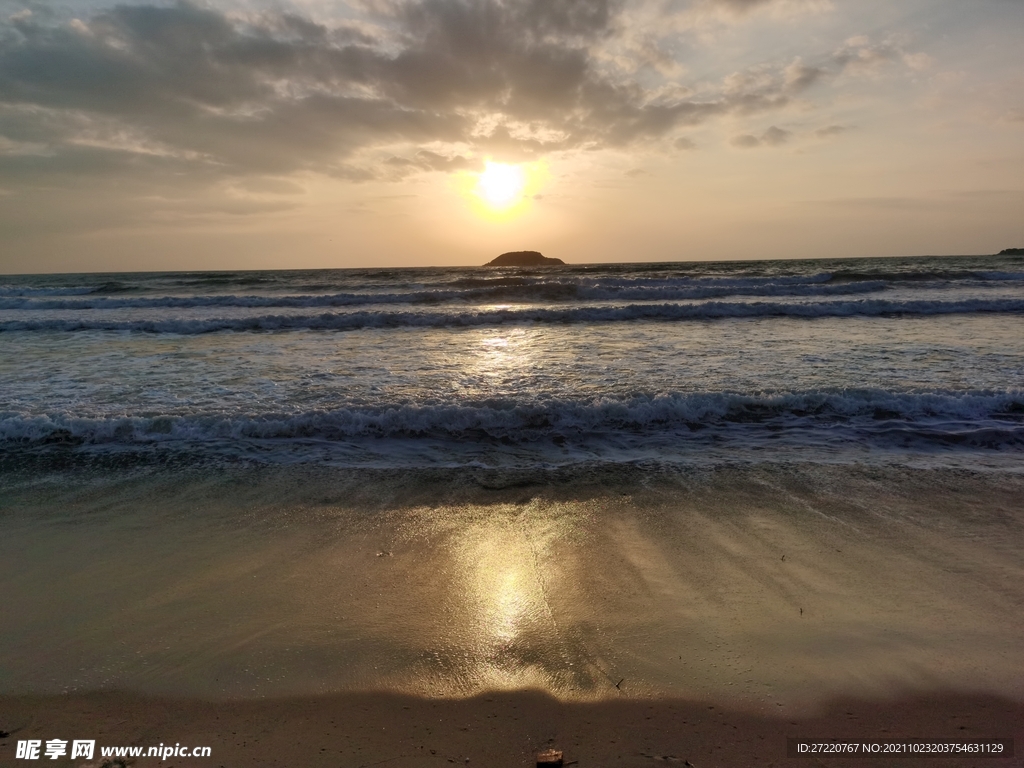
(252, 134)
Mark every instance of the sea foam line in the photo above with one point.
(533, 292)
(937, 412)
(343, 321)
(524, 288)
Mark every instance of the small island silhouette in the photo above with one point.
(522, 259)
(1012, 252)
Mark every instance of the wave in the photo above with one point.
(926, 275)
(524, 292)
(940, 415)
(189, 302)
(343, 321)
(1012, 276)
(23, 291)
(578, 286)
(13, 292)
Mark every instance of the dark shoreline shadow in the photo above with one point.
(504, 728)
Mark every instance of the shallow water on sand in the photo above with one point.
(756, 584)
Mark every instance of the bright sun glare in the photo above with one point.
(502, 191)
(501, 185)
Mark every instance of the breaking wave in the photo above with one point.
(342, 321)
(514, 288)
(532, 292)
(943, 416)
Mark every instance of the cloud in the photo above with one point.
(425, 160)
(799, 76)
(779, 7)
(773, 137)
(829, 131)
(859, 56)
(1013, 116)
(177, 96)
(745, 141)
(918, 61)
(271, 186)
(705, 13)
(420, 84)
(743, 7)
(883, 204)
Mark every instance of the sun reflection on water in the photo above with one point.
(510, 623)
(507, 603)
(500, 360)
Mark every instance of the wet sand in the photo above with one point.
(290, 618)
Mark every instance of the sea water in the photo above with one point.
(761, 482)
(848, 359)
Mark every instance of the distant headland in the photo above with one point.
(1012, 252)
(522, 259)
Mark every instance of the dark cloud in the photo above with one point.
(425, 160)
(186, 89)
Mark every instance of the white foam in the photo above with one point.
(935, 413)
(342, 321)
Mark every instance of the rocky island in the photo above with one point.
(1009, 252)
(522, 259)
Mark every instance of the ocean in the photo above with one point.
(764, 482)
(845, 360)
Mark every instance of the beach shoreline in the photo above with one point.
(358, 730)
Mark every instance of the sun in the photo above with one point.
(501, 185)
(501, 192)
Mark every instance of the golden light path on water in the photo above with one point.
(500, 561)
(505, 576)
(509, 605)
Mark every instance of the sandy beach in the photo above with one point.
(314, 617)
(504, 730)
(427, 383)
